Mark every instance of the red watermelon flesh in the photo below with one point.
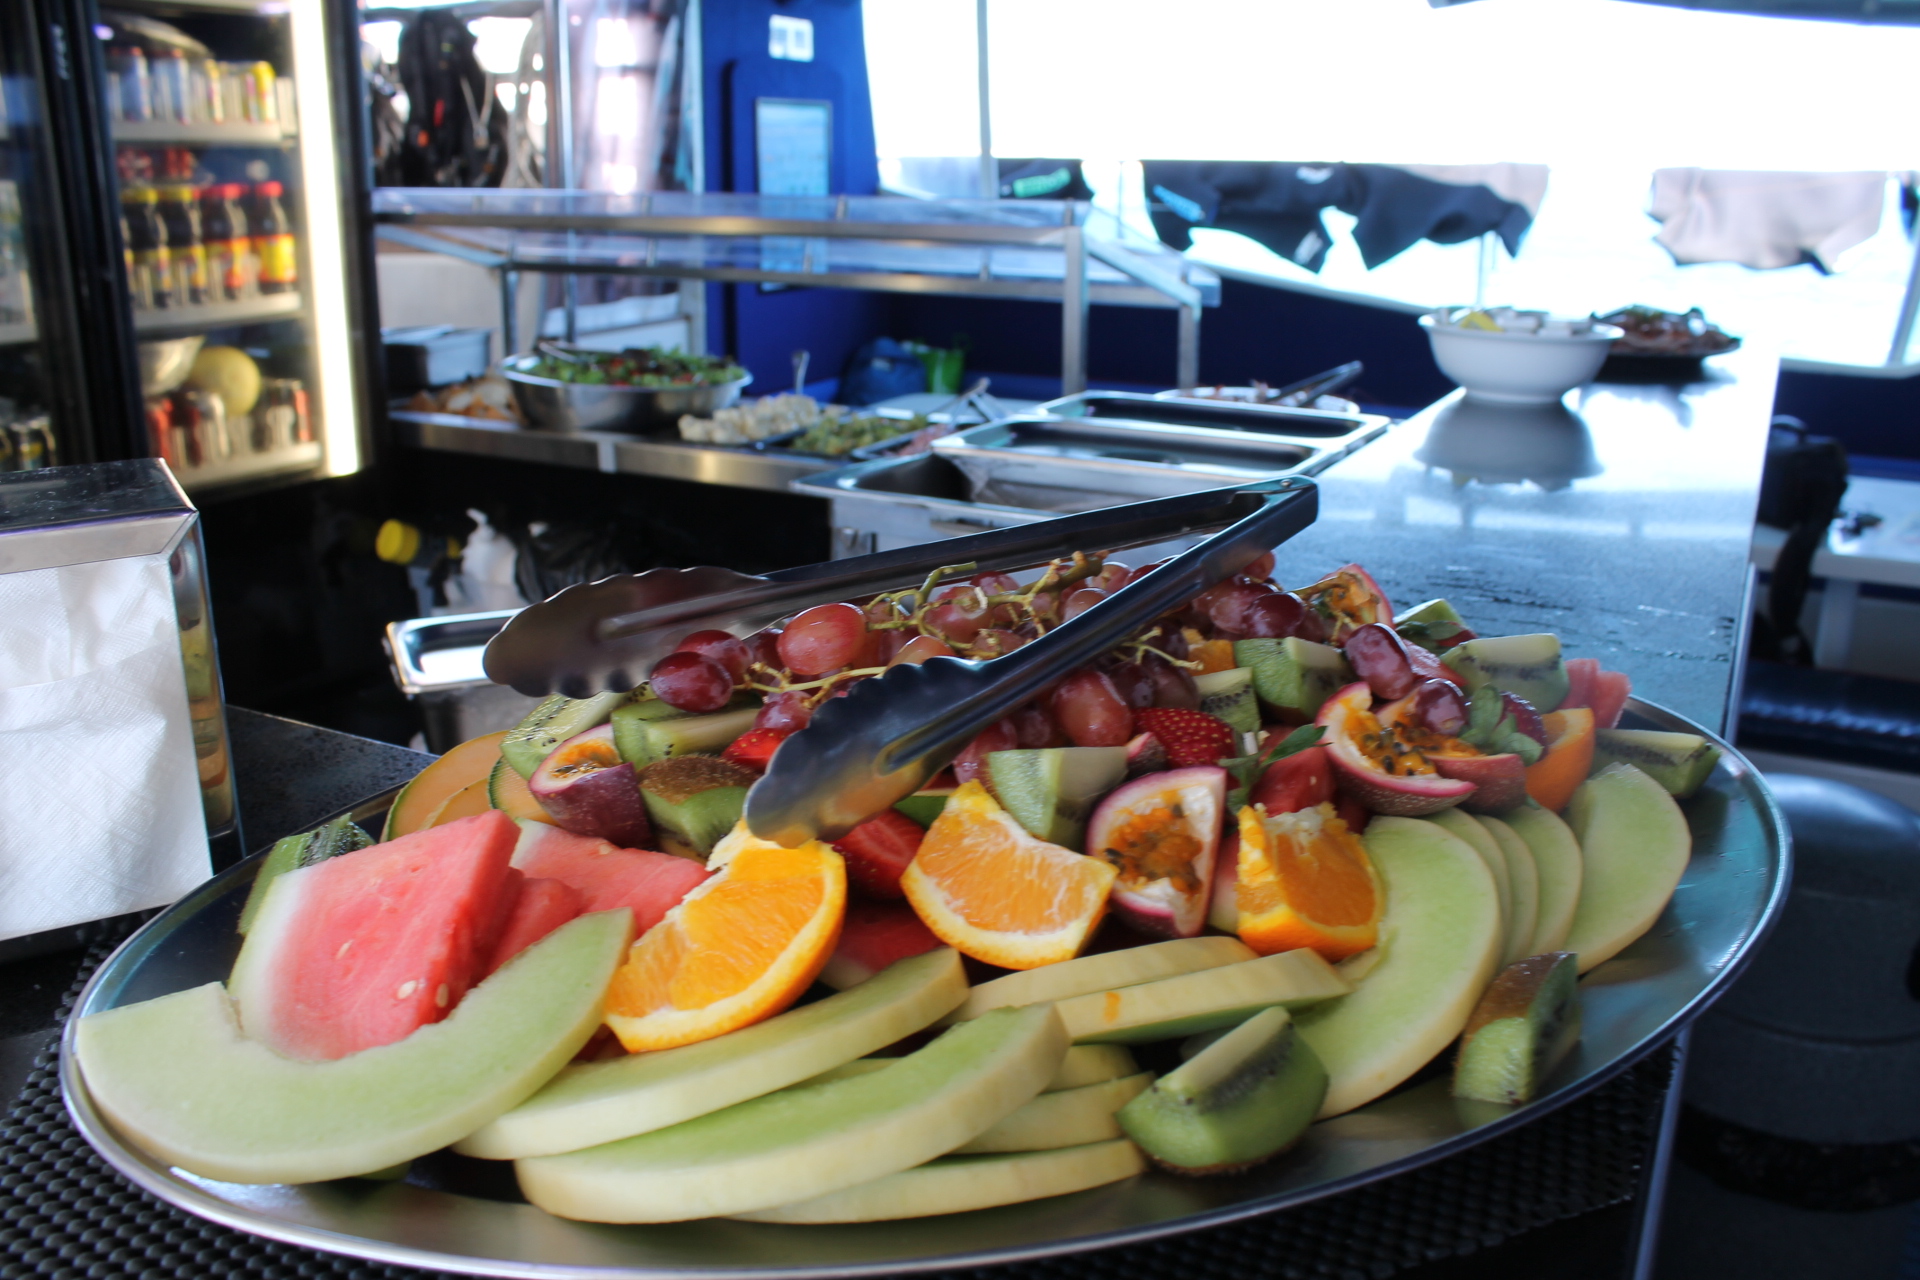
(873, 936)
(1580, 674)
(365, 948)
(1610, 690)
(606, 875)
(540, 907)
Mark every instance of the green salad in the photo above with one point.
(637, 367)
(834, 435)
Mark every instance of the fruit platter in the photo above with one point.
(1287, 892)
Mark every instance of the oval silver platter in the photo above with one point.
(1727, 900)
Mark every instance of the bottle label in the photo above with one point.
(230, 267)
(277, 265)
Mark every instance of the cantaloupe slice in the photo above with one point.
(598, 1102)
(1556, 857)
(957, 1184)
(470, 762)
(508, 792)
(1127, 967)
(807, 1142)
(176, 1076)
(1439, 941)
(1191, 1002)
(1068, 1118)
(1634, 845)
(1523, 880)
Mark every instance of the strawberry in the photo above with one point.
(754, 749)
(878, 851)
(1191, 737)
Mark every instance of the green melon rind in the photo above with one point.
(594, 1103)
(1065, 1118)
(1219, 997)
(958, 1184)
(1556, 859)
(1439, 939)
(811, 1141)
(1523, 882)
(1468, 828)
(1634, 846)
(1109, 969)
(177, 1077)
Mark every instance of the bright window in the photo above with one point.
(1601, 91)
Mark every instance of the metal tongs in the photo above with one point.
(893, 732)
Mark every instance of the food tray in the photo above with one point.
(1727, 900)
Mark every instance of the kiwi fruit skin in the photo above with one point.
(1527, 666)
(1523, 1026)
(551, 723)
(1241, 1100)
(1680, 762)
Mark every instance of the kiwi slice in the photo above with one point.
(1293, 676)
(1244, 1098)
(1680, 762)
(642, 734)
(1526, 666)
(1229, 695)
(291, 853)
(1434, 625)
(1525, 1023)
(925, 806)
(551, 723)
(695, 799)
(1052, 790)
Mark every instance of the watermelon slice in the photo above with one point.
(539, 907)
(606, 875)
(363, 949)
(1610, 690)
(1580, 674)
(873, 936)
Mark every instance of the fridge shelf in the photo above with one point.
(1046, 250)
(174, 133)
(12, 335)
(218, 315)
(250, 466)
(261, 8)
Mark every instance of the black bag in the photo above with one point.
(456, 135)
(1800, 491)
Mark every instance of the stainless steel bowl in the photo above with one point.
(551, 405)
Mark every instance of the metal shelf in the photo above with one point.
(12, 335)
(217, 315)
(605, 451)
(251, 466)
(1051, 250)
(174, 133)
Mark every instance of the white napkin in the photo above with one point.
(99, 796)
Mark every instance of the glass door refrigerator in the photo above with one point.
(204, 178)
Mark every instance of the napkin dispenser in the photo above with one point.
(118, 782)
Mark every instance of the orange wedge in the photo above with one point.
(1212, 655)
(739, 948)
(434, 787)
(1553, 779)
(1306, 881)
(989, 890)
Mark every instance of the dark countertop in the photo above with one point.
(1642, 563)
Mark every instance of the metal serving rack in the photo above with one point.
(1043, 250)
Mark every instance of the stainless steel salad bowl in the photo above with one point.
(549, 404)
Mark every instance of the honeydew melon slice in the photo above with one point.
(1468, 828)
(594, 1103)
(1220, 997)
(1556, 857)
(1068, 1118)
(1523, 878)
(1103, 972)
(178, 1078)
(1084, 1064)
(807, 1142)
(956, 1184)
(1634, 845)
(1439, 940)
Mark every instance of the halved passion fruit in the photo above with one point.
(591, 791)
(1500, 781)
(1161, 833)
(1376, 766)
(1346, 600)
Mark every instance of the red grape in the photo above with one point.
(1275, 615)
(1312, 626)
(1045, 606)
(787, 710)
(880, 609)
(1133, 682)
(722, 648)
(1526, 717)
(1261, 568)
(995, 584)
(1172, 686)
(919, 649)
(823, 638)
(1091, 710)
(1227, 610)
(691, 682)
(1036, 729)
(972, 760)
(995, 641)
(958, 615)
(1112, 576)
(1082, 600)
(1440, 706)
(1380, 658)
(763, 647)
